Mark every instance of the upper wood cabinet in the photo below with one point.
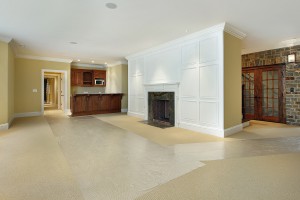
(76, 77)
(86, 78)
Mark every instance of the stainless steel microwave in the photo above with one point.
(99, 81)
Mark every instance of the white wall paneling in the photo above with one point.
(189, 111)
(192, 67)
(189, 86)
(190, 54)
(209, 49)
(163, 67)
(209, 81)
(209, 113)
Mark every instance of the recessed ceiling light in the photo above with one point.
(73, 43)
(111, 5)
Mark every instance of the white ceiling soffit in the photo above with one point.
(89, 31)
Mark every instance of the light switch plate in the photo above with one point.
(34, 90)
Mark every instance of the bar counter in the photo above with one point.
(89, 104)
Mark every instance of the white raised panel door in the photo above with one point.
(62, 91)
(209, 50)
(190, 83)
(209, 113)
(209, 81)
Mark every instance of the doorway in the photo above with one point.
(53, 90)
(263, 93)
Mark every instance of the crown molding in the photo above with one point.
(117, 63)
(45, 58)
(234, 31)
(86, 65)
(5, 39)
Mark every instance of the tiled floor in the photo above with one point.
(116, 157)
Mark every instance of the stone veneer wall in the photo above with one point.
(292, 76)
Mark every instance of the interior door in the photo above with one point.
(263, 96)
(62, 91)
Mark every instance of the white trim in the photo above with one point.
(86, 65)
(4, 126)
(5, 39)
(11, 121)
(233, 130)
(65, 72)
(124, 110)
(234, 31)
(117, 63)
(44, 58)
(202, 129)
(138, 115)
(68, 112)
(28, 114)
(246, 124)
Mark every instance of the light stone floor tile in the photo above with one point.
(112, 163)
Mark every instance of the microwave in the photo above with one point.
(99, 81)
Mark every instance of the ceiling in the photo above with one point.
(46, 28)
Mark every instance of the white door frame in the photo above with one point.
(65, 72)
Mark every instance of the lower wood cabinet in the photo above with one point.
(88, 104)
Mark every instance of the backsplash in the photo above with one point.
(89, 90)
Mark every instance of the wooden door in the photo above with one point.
(263, 95)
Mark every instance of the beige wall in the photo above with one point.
(232, 81)
(117, 82)
(28, 77)
(11, 83)
(6, 83)
(3, 83)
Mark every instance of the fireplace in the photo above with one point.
(161, 108)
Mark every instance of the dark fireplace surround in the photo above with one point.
(161, 108)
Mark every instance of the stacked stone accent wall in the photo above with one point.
(292, 76)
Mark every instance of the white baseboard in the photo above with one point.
(211, 130)
(202, 129)
(68, 112)
(124, 110)
(138, 115)
(28, 114)
(233, 130)
(4, 126)
(245, 124)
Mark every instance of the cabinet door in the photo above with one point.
(76, 77)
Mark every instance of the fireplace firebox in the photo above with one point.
(161, 108)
